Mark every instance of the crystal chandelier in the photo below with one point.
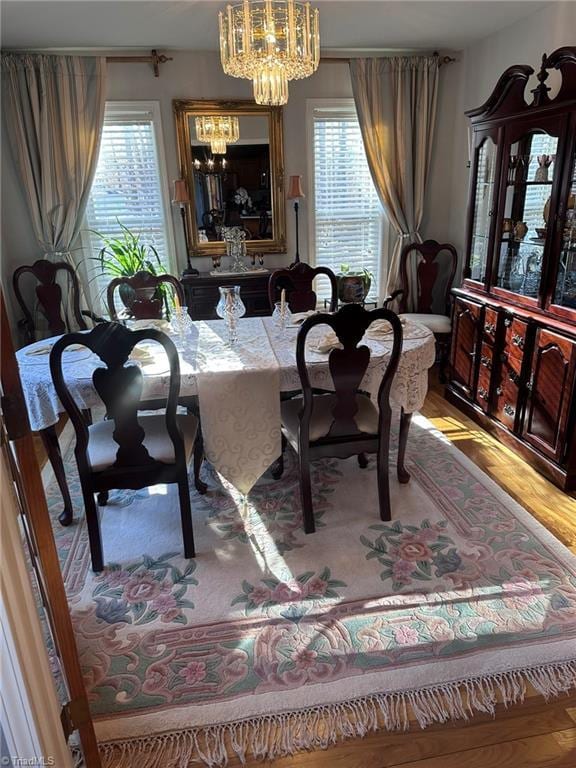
(218, 131)
(270, 42)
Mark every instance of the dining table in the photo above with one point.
(236, 388)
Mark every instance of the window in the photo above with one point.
(347, 217)
(128, 184)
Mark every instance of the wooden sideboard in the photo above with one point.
(513, 360)
(202, 293)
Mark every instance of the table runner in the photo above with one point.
(239, 396)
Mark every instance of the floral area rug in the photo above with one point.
(272, 641)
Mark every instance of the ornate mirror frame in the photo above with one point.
(184, 110)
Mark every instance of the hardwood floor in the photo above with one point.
(531, 735)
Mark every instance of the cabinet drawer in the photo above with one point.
(516, 338)
(507, 393)
(490, 325)
(484, 376)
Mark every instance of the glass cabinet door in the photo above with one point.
(530, 165)
(565, 290)
(484, 202)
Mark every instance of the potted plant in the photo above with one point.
(353, 285)
(124, 256)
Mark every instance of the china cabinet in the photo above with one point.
(513, 357)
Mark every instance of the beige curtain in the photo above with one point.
(396, 102)
(54, 113)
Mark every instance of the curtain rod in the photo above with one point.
(348, 59)
(155, 59)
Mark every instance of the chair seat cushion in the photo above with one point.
(321, 420)
(436, 323)
(102, 447)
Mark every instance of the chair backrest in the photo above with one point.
(348, 365)
(120, 388)
(297, 281)
(49, 296)
(142, 294)
(427, 272)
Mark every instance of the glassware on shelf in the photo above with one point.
(281, 315)
(230, 308)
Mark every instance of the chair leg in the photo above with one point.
(186, 517)
(444, 359)
(383, 470)
(362, 460)
(405, 420)
(87, 414)
(306, 492)
(94, 533)
(277, 469)
(200, 485)
(102, 498)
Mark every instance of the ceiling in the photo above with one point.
(192, 24)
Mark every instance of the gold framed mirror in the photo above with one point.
(242, 186)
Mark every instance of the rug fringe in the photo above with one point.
(272, 736)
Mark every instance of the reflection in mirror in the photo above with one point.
(232, 189)
(231, 157)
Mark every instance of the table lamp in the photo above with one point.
(295, 193)
(182, 198)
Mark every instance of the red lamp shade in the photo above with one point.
(181, 195)
(295, 188)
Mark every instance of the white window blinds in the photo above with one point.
(127, 187)
(347, 210)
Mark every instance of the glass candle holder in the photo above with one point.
(181, 320)
(230, 308)
(281, 314)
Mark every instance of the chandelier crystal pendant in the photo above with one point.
(218, 131)
(270, 42)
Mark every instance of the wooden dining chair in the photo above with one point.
(345, 422)
(52, 302)
(297, 281)
(141, 296)
(432, 295)
(127, 449)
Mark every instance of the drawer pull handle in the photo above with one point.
(499, 391)
(508, 410)
(490, 328)
(513, 376)
(486, 362)
(518, 341)
(508, 322)
(482, 393)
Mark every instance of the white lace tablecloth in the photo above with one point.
(237, 388)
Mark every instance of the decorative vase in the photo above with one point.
(353, 289)
(230, 307)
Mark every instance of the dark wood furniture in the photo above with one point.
(141, 294)
(346, 422)
(53, 304)
(297, 281)
(431, 304)
(202, 295)
(126, 450)
(513, 358)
